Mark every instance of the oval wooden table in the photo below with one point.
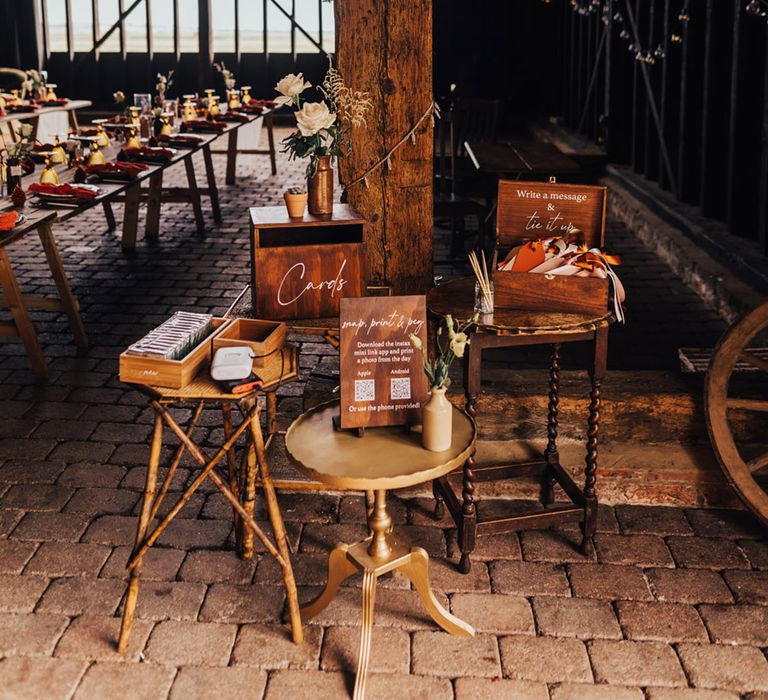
(508, 328)
(383, 459)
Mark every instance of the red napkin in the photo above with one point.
(46, 188)
(187, 140)
(204, 125)
(233, 117)
(8, 220)
(130, 170)
(160, 155)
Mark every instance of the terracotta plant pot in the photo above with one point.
(295, 204)
(320, 187)
(437, 422)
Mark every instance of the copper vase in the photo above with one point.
(320, 187)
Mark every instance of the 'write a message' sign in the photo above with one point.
(382, 377)
(531, 210)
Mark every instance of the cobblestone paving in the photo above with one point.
(674, 605)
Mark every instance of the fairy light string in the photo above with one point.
(433, 111)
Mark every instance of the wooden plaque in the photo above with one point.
(307, 281)
(382, 375)
(531, 210)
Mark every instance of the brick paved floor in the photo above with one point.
(674, 605)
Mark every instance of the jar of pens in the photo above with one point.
(483, 282)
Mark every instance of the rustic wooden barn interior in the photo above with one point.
(475, 289)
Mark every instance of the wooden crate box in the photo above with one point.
(531, 210)
(302, 268)
(174, 374)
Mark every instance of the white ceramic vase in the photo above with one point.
(437, 422)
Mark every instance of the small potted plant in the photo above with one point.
(295, 201)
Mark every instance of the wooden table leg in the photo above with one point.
(194, 193)
(226, 413)
(231, 156)
(68, 301)
(467, 531)
(131, 216)
(597, 372)
(144, 519)
(21, 318)
(213, 190)
(154, 201)
(109, 215)
(73, 120)
(278, 528)
(269, 123)
(551, 454)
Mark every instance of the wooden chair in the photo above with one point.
(449, 203)
(532, 310)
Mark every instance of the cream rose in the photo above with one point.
(290, 87)
(313, 117)
(458, 344)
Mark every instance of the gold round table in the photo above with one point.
(383, 459)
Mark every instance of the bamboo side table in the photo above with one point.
(384, 459)
(239, 487)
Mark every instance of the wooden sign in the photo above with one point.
(306, 281)
(301, 268)
(382, 376)
(531, 210)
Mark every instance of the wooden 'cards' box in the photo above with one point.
(264, 338)
(300, 268)
(533, 210)
(175, 374)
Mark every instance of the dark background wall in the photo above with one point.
(500, 49)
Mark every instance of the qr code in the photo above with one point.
(400, 387)
(365, 390)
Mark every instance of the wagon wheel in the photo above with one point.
(733, 404)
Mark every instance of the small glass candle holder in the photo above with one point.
(483, 302)
(246, 96)
(51, 92)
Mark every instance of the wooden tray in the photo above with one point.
(174, 374)
(263, 337)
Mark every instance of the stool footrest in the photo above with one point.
(494, 472)
(540, 517)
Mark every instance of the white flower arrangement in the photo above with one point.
(324, 127)
(227, 75)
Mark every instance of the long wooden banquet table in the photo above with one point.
(33, 115)
(42, 218)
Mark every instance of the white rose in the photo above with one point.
(290, 87)
(313, 117)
